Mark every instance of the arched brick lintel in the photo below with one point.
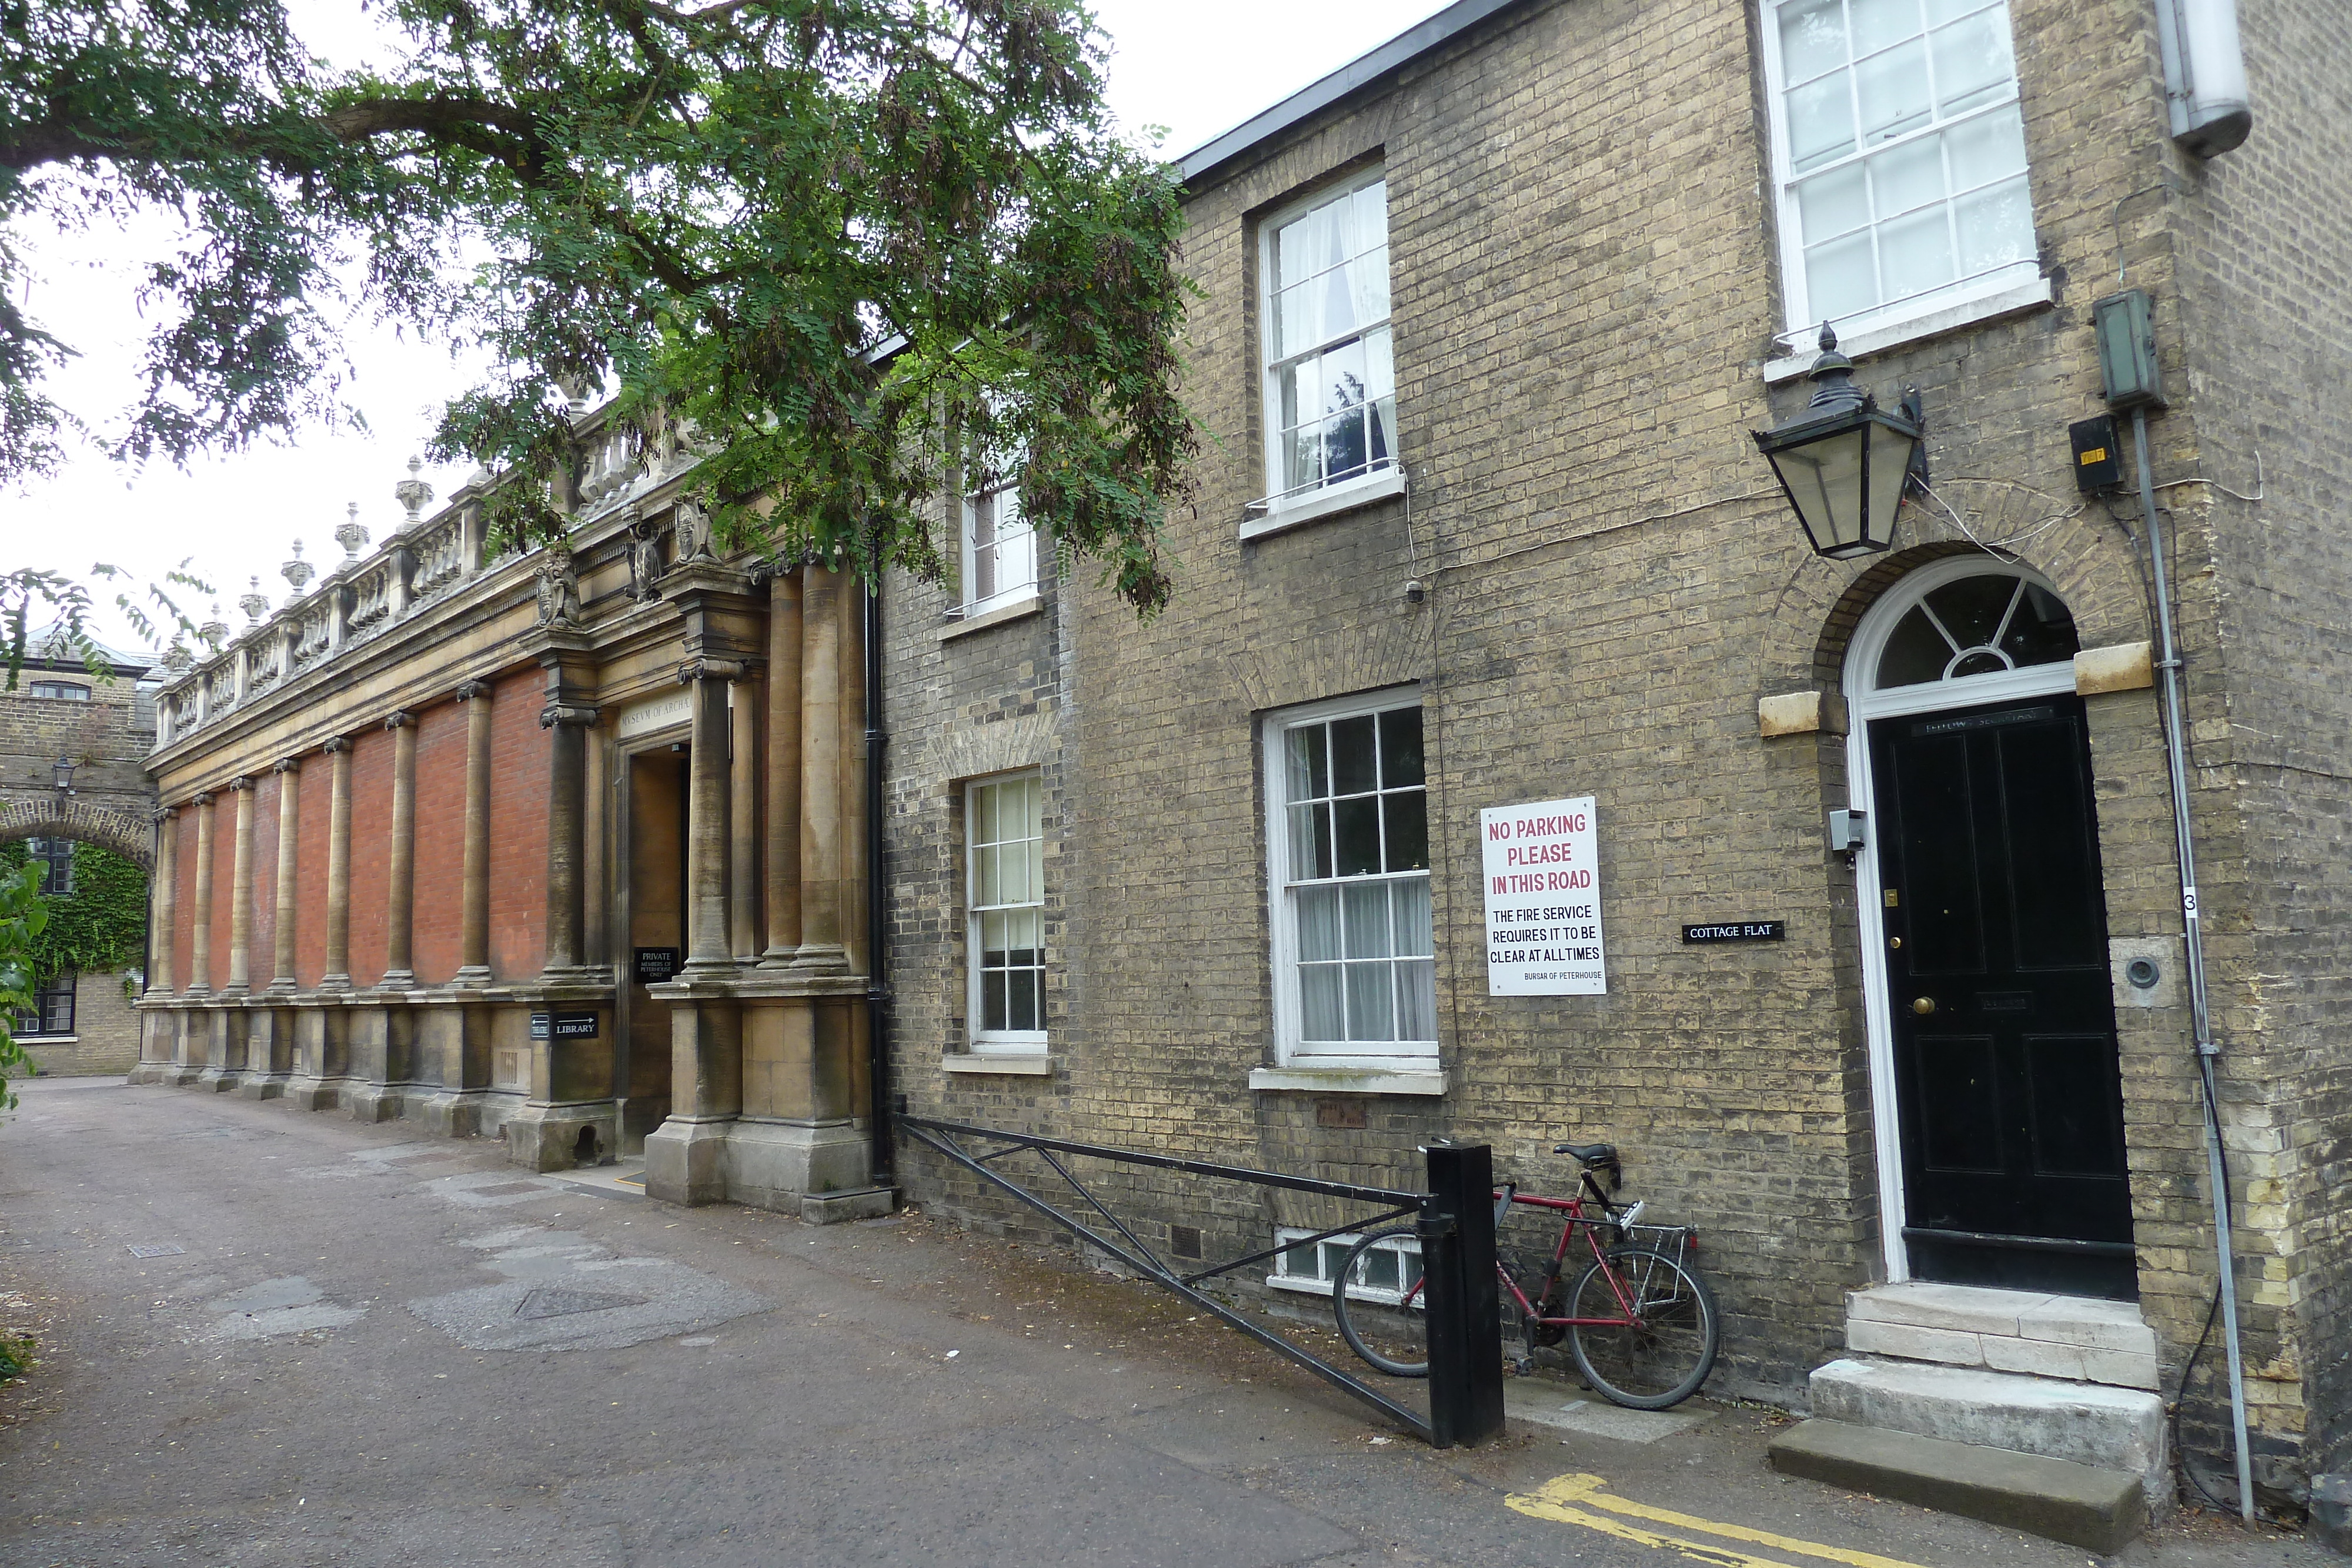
(126, 835)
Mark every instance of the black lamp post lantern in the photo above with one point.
(62, 772)
(1844, 462)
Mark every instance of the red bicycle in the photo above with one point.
(1642, 1326)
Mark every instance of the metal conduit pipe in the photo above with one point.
(877, 924)
(2168, 662)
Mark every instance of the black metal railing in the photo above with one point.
(1455, 1219)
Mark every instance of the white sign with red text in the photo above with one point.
(1543, 900)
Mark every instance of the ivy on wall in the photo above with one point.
(101, 925)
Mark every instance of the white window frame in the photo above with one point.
(44, 851)
(1319, 1283)
(1403, 1055)
(999, 595)
(983, 1042)
(2012, 286)
(1284, 507)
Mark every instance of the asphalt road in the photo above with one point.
(271, 1337)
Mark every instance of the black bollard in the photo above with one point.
(1464, 1319)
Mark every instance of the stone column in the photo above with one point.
(200, 936)
(821, 609)
(338, 976)
(290, 825)
(743, 820)
(709, 950)
(566, 833)
(240, 892)
(166, 905)
(400, 895)
(474, 937)
(783, 770)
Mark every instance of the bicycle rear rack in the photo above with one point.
(1457, 1246)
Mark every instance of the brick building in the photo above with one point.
(1488, 318)
(562, 847)
(99, 727)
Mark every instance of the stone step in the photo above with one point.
(2078, 1337)
(2082, 1505)
(2083, 1423)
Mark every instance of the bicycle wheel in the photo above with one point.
(1659, 1358)
(1388, 1334)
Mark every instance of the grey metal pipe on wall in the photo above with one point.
(2168, 664)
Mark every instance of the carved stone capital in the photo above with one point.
(336, 743)
(287, 765)
(242, 781)
(162, 813)
(201, 798)
(555, 714)
(473, 691)
(400, 720)
(695, 670)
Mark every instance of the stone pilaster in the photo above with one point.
(287, 917)
(708, 949)
(400, 891)
(822, 950)
(165, 905)
(240, 892)
(338, 976)
(200, 934)
(474, 937)
(783, 689)
(566, 833)
(743, 820)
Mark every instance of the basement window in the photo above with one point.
(1383, 1274)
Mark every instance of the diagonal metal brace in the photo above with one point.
(938, 1136)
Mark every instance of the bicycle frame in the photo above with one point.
(1574, 1220)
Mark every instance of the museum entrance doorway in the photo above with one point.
(1994, 1046)
(651, 911)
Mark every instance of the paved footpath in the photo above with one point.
(270, 1337)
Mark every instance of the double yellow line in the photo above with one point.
(1574, 1500)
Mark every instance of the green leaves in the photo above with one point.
(860, 247)
(24, 914)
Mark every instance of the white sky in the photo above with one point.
(1196, 67)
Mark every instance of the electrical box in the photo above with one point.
(2127, 370)
(2098, 465)
(1848, 830)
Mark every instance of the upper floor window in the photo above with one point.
(64, 691)
(1330, 385)
(55, 857)
(1899, 157)
(1355, 980)
(1000, 550)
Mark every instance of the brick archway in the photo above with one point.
(119, 831)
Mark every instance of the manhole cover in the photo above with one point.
(554, 1302)
(157, 1249)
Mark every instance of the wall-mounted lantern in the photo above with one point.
(1843, 462)
(61, 775)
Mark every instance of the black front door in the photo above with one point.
(2007, 1083)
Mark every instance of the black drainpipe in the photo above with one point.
(878, 922)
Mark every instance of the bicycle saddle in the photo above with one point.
(1588, 1154)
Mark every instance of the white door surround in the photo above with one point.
(1864, 702)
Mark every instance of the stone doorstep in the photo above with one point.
(2077, 1337)
(2097, 1510)
(2088, 1424)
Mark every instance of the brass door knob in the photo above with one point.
(1895, 943)
(1924, 1006)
